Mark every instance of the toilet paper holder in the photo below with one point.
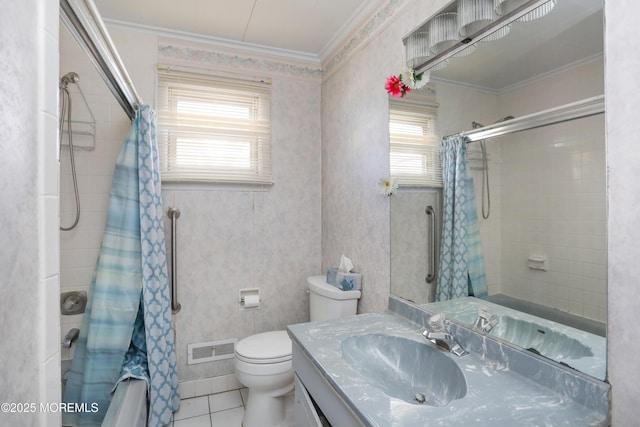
(249, 298)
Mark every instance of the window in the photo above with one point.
(213, 129)
(415, 149)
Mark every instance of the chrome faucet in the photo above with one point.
(441, 337)
(71, 336)
(485, 321)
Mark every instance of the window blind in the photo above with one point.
(414, 144)
(213, 129)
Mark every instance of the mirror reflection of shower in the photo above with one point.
(486, 194)
(65, 115)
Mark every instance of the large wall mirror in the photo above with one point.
(540, 193)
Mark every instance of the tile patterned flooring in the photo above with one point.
(218, 410)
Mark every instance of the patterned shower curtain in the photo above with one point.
(461, 271)
(127, 328)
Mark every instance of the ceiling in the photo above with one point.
(310, 28)
(313, 29)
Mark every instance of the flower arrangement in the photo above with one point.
(397, 87)
(388, 186)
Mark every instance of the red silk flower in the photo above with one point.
(396, 87)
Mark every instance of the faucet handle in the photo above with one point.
(436, 323)
(484, 312)
(71, 336)
(485, 320)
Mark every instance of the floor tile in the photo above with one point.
(223, 401)
(200, 421)
(194, 407)
(228, 418)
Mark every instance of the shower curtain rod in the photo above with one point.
(575, 110)
(82, 19)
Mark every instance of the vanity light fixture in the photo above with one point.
(417, 50)
(505, 6)
(455, 31)
(443, 34)
(474, 15)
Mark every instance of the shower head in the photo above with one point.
(70, 77)
(476, 125)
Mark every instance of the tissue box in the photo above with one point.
(344, 281)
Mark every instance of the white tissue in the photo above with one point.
(345, 264)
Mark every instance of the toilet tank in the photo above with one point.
(328, 302)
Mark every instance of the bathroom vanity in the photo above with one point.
(378, 370)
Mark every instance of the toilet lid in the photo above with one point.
(267, 347)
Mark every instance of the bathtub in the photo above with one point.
(128, 406)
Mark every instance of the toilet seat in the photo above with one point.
(264, 348)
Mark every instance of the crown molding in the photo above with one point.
(248, 48)
(363, 14)
(378, 21)
(229, 59)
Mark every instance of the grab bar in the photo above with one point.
(431, 237)
(174, 214)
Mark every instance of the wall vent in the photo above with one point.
(210, 351)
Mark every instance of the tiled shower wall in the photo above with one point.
(229, 238)
(553, 197)
(547, 190)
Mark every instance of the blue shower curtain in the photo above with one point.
(461, 272)
(127, 328)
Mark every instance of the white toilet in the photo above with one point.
(263, 361)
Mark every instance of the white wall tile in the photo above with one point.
(187, 389)
(50, 390)
(48, 176)
(49, 241)
(49, 78)
(49, 318)
(208, 386)
(553, 193)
